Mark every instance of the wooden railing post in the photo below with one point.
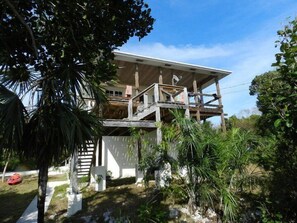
(223, 125)
(130, 109)
(145, 100)
(160, 75)
(197, 103)
(156, 93)
(136, 79)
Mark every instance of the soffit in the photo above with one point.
(149, 71)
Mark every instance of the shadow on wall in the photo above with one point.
(120, 160)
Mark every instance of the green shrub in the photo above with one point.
(150, 212)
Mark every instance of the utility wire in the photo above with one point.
(233, 86)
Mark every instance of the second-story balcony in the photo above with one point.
(168, 97)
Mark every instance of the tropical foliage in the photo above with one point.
(217, 165)
(277, 94)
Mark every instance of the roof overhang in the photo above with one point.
(205, 76)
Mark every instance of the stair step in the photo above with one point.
(87, 160)
(83, 172)
(84, 164)
(86, 153)
(88, 147)
(83, 168)
(85, 156)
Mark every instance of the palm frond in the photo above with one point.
(12, 119)
(59, 129)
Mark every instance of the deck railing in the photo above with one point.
(157, 94)
(204, 100)
(161, 94)
(167, 96)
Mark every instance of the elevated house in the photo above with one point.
(147, 88)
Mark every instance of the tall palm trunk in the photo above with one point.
(42, 184)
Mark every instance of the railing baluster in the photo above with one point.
(156, 93)
(130, 109)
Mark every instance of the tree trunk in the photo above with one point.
(5, 167)
(42, 184)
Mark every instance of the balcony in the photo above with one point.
(173, 97)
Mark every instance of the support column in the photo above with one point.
(136, 79)
(197, 103)
(186, 98)
(138, 173)
(97, 153)
(157, 112)
(223, 125)
(159, 131)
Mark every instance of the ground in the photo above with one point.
(123, 200)
(14, 199)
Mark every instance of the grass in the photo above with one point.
(58, 207)
(14, 199)
(122, 198)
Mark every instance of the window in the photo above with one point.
(109, 93)
(114, 93)
(118, 94)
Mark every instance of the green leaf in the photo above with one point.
(277, 123)
(289, 123)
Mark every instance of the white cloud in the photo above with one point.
(184, 53)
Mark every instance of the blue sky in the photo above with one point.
(234, 35)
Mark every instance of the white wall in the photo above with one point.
(117, 156)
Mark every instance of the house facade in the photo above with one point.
(145, 91)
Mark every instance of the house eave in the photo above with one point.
(169, 64)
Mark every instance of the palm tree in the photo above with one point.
(54, 128)
(51, 53)
(216, 165)
(197, 153)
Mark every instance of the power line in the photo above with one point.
(233, 86)
(232, 92)
(236, 85)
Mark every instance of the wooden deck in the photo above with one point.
(157, 97)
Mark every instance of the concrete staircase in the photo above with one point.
(85, 158)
